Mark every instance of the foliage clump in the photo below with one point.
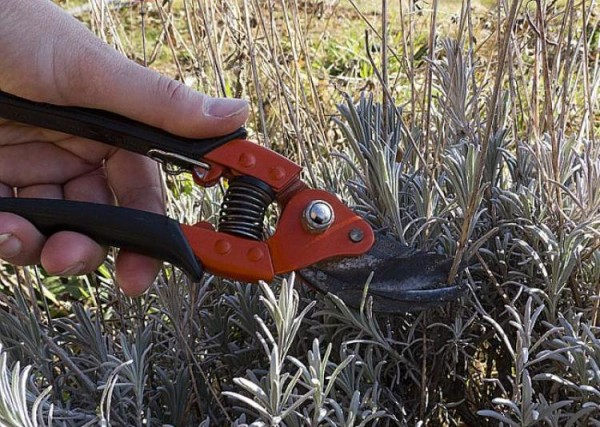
(481, 146)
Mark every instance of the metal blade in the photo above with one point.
(404, 279)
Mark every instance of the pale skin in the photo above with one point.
(46, 55)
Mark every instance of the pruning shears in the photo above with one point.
(331, 247)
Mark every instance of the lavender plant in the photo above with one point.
(477, 141)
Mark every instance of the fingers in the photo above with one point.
(20, 242)
(63, 253)
(43, 191)
(135, 181)
(67, 253)
(6, 191)
(35, 163)
(71, 254)
(135, 273)
(91, 187)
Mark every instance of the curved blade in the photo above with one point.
(404, 279)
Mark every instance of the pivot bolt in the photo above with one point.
(318, 216)
(356, 235)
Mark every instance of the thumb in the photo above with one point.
(129, 89)
(95, 75)
(124, 87)
(73, 67)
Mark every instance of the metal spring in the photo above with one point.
(244, 206)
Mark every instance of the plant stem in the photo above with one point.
(472, 205)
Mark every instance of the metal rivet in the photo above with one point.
(255, 254)
(356, 235)
(277, 173)
(247, 160)
(222, 247)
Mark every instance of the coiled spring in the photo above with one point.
(244, 207)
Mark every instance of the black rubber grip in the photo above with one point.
(143, 232)
(111, 129)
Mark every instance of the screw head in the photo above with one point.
(356, 235)
(318, 216)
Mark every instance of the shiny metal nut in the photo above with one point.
(318, 216)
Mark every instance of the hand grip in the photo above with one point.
(143, 232)
(112, 129)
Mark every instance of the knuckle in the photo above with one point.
(174, 90)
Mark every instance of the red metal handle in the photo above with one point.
(241, 157)
(292, 247)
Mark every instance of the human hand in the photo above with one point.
(47, 56)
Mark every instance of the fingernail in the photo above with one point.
(10, 246)
(74, 270)
(224, 108)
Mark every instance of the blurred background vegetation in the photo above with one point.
(468, 128)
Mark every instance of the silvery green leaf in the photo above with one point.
(253, 388)
(256, 406)
(506, 402)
